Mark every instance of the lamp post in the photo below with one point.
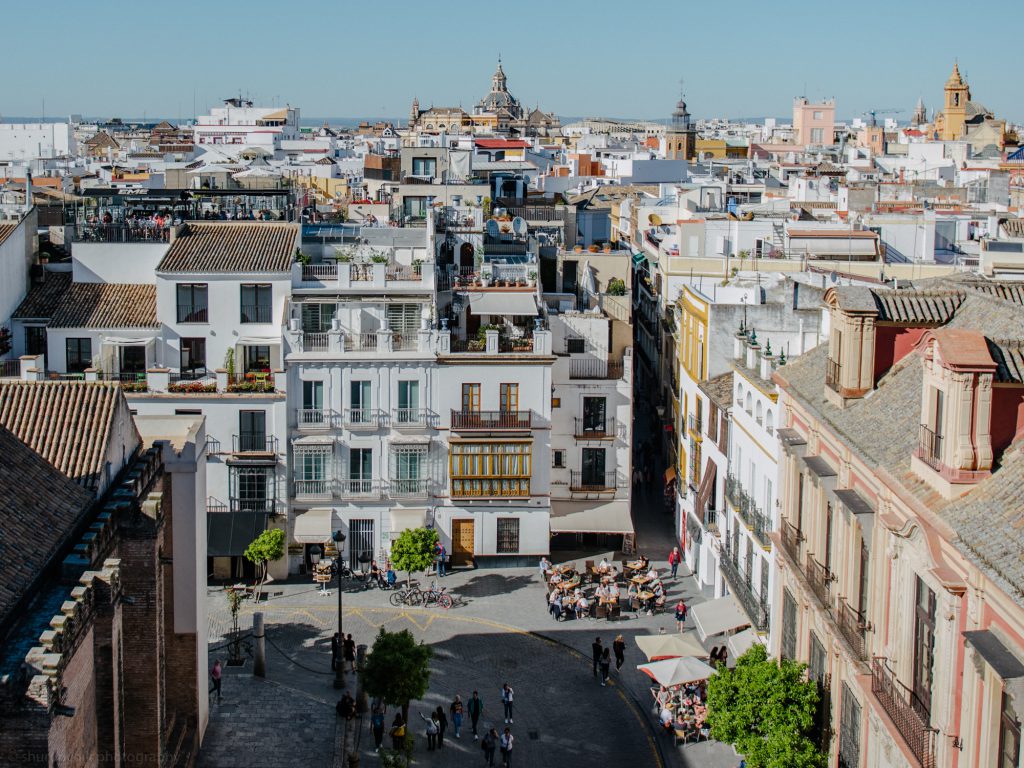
(339, 671)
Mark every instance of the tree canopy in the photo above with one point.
(266, 547)
(765, 709)
(414, 549)
(397, 668)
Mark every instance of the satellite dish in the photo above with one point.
(654, 219)
(519, 225)
(492, 228)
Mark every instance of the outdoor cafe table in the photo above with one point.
(641, 579)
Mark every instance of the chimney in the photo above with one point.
(753, 351)
(767, 362)
(738, 343)
(28, 190)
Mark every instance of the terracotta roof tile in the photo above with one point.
(719, 389)
(233, 247)
(106, 305)
(67, 423)
(39, 509)
(43, 298)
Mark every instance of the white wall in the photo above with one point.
(117, 262)
(16, 254)
(32, 141)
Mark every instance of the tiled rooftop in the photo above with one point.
(6, 230)
(43, 298)
(68, 423)
(106, 305)
(233, 247)
(719, 389)
(39, 509)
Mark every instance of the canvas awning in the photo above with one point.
(228, 534)
(674, 672)
(707, 484)
(314, 526)
(995, 653)
(717, 616)
(403, 519)
(670, 475)
(510, 303)
(124, 341)
(657, 647)
(742, 642)
(591, 517)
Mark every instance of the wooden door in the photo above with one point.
(463, 535)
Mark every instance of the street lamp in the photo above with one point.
(339, 670)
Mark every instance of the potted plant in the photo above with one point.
(531, 276)
(616, 287)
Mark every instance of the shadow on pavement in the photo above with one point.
(490, 584)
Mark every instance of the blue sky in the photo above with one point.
(617, 58)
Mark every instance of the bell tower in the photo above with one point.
(957, 94)
(680, 137)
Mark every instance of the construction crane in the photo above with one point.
(874, 112)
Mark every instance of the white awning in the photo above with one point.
(411, 440)
(314, 440)
(657, 647)
(124, 341)
(259, 341)
(591, 517)
(314, 526)
(742, 642)
(674, 672)
(511, 303)
(403, 519)
(717, 616)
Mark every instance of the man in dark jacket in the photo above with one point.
(598, 650)
(475, 707)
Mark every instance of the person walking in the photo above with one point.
(606, 665)
(215, 675)
(349, 648)
(335, 651)
(442, 725)
(456, 712)
(489, 745)
(674, 558)
(506, 748)
(441, 554)
(398, 733)
(619, 647)
(506, 701)
(597, 649)
(680, 614)
(377, 726)
(432, 729)
(475, 707)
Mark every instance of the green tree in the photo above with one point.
(414, 550)
(266, 547)
(397, 669)
(765, 709)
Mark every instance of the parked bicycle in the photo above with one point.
(439, 596)
(411, 596)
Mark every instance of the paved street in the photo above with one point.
(500, 631)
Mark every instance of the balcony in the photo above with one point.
(592, 482)
(313, 489)
(409, 488)
(929, 447)
(262, 506)
(362, 418)
(312, 418)
(472, 421)
(791, 537)
(143, 232)
(832, 370)
(820, 581)
(409, 418)
(748, 511)
(253, 382)
(315, 342)
(253, 442)
(754, 605)
(256, 313)
(593, 368)
(193, 313)
(853, 626)
(595, 429)
(360, 488)
(361, 342)
(695, 425)
(907, 712)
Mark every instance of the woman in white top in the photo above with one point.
(506, 748)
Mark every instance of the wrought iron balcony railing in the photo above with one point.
(832, 371)
(908, 713)
(930, 447)
(820, 580)
(754, 605)
(853, 627)
(791, 537)
(465, 421)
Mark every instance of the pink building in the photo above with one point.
(814, 123)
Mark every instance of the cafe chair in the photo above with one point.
(600, 611)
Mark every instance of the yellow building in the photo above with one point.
(691, 368)
(962, 119)
(720, 149)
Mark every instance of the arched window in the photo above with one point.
(769, 421)
(750, 405)
(760, 414)
(739, 395)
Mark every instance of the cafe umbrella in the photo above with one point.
(678, 671)
(658, 647)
